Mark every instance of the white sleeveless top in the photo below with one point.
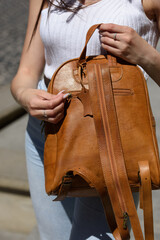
(63, 33)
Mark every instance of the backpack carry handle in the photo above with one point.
(82, 59)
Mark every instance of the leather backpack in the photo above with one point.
(106, 144)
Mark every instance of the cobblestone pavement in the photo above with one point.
(13, 21)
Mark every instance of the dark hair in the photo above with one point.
(61, 5)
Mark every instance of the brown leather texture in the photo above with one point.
(73, 155)
(71, 145)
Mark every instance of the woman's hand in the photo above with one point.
(43, 105)
(123, 42)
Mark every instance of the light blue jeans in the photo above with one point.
(71, 219)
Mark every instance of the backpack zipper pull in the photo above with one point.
(125, 219)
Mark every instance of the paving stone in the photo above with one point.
(4, 235)
(13, 172)
(17, 219)
(9, 109)
(34, 235)
(13, 22)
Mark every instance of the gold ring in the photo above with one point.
(115, 36)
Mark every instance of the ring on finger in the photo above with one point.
(44, 114)
(115, 37)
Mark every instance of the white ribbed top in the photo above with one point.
(63, 33)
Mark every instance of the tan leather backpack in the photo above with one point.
(106, 143)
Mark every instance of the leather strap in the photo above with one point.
(90, 32)
(146, 197)
(111, 153)
(82, 59)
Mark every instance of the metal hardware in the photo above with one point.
(82, 72)
(139, 178)
(125, 219)
(67, 179)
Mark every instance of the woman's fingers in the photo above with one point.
(56, 119)
(44, 103)
(46, 113)
(113, 36)
(118, 33)
(49, 110)
(112, 28)
(123, 42)
(115, 51)
(45, 106)
(45, 95)
(110, 41)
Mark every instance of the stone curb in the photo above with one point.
(14, 186)
(9, 112)
(9, 109)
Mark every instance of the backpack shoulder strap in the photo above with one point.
(110, 148)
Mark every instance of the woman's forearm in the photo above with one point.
(151, 64)
(22, 81)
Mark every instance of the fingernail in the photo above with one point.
(67, 95)
(60, 92)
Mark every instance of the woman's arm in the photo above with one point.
(32, 58)
(131, 47)
(23, 87)
(152, 67)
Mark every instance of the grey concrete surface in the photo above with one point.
(9, 109)
(17, 220)
(13, 173)
(13, 22)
